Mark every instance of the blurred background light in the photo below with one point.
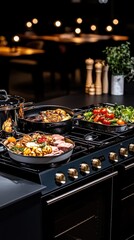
(93, 27)
(77, 30)
(57, 23)
(34, 20)
(115, 21)
(28, 24)
(79, 20)
(109, 28)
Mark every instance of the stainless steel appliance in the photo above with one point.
(88, 195)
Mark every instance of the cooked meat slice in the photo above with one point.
(65, 146)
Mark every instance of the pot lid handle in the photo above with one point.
(3, 95)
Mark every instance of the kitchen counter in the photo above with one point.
(13, 189)
(20, 208)
(81, 99)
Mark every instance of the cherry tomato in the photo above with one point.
(41, 139)
(96, 110)
(110, 115)
(104, 110)
(106, 121)
(102, 117)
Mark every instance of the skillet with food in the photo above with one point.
(39, 148)
(107, 117)
(48, 118)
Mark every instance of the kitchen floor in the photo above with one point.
(20, 84)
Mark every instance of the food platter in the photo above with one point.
(39, 148)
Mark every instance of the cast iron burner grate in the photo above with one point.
(88, 136)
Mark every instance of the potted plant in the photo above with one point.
(120, 65)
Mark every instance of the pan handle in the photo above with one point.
(3, 95)
(28, 105)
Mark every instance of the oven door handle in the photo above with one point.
(74, 191)
(129, 166)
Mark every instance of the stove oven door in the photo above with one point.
(123, 204)
(81, 213)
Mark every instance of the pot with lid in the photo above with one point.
(9, 106)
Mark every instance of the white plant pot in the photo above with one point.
(117, 84)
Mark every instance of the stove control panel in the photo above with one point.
(88, 165)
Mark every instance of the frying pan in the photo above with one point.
(38, 160)
(28, 125)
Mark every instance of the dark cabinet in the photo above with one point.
(123, 204)
(84, 213)
(21, 220)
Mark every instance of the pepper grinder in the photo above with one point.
(105, 85)
(89, 79)
(98, 83)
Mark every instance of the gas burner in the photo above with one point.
(91, 137)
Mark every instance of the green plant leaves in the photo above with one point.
(119, 58)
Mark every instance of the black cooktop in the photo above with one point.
(89, 144)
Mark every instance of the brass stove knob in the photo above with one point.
(84, 168)
(73, 173)
(131, 147)
(123, 152)
(60, 178)
(96, 163)
(113, 156)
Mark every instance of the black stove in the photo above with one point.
(94, 153)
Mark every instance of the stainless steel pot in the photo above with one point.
(9, 106)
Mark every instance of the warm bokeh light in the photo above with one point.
(57, 23)
(34, 20)
(79, 20)
(93, 27)
(29, 24)
(16, 38)
(115, 21)
(109, 28)
(77, 30)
